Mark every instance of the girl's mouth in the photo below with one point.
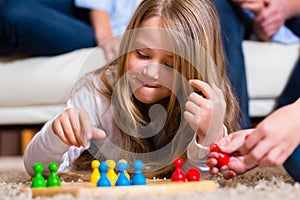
(151, 85)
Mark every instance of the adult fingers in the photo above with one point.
(275, 157)
(237, 140)
(258, 152)
(254, 138)
(228, 174)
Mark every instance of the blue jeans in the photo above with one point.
(291, 91)
(289, 95)
(235, 28)
(43, 27)
(233, 31)
(292, 164)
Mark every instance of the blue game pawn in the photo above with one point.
(103, 180)
(122, 179)
(138, 177)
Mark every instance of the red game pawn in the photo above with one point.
(214, 148)
(223, 158)
(178, 175)
(193, 174)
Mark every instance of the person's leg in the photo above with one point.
(292, 164)
(294, 25)
(34, 28)
(291, 91)
(62, 6)
(232, 36)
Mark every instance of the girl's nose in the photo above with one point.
(152, 71)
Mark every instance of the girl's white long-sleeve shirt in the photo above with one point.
(47, 147)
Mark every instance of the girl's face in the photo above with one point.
(150, 65)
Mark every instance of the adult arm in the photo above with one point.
(103, 33)
(270, 144)
(272, 18)
(100, 19)
(275, 138)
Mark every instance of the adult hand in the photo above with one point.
(111, 47)
(270, 19)
(205, 114)
(73, 127)
(103, 33)
(230, 145)
(254, 6)
(275, 138)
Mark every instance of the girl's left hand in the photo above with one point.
(206, 114)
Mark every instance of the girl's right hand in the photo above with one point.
(73, 127)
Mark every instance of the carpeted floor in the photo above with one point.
(267, 183)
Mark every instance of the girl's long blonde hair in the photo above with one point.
(198, 53)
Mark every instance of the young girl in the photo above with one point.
(142, 105)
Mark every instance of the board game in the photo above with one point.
(105, 180)
(152, 188)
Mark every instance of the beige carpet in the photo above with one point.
(268, 183)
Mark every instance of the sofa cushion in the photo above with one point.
(268, 67)
(34, 89)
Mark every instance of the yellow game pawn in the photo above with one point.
(111, 174)
(125, 172)
(96, 174)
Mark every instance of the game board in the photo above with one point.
(152, 188)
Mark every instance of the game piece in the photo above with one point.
(103, 180)
(53, 179)
(223, 159)
(138, 177)
(126, 173)
(214, 148)
(178, 175)
(38, 180)
(95, 174)
(193, 174)
(111, 174)
(122, 179)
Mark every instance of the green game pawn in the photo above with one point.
(53, 179)
(38, 180)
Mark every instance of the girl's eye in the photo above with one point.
(170, 66)
(141, 54)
